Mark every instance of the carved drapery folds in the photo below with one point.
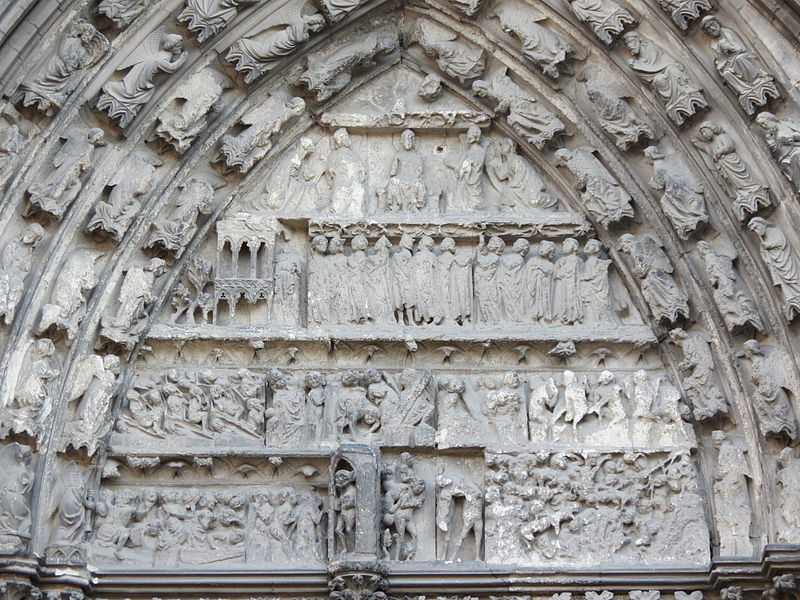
(206, 18)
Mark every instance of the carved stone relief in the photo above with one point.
(206, 18)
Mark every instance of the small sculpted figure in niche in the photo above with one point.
(735, 304)
(159, 52)
(286, 290)
(346, 176)
(338, 272)
(783, 140)
(732, 511)
(206, 18)
(32, 403)
(450, 489)
(73, 502)
(415, 402)
(606, 18)
(81, 48)
(15, 488)
(121, 12)
(771, 393)
(544, 48)
(68, 297)
(171, 234)
(543, 398)
(454, 408)
(512, 281)
(344, 504)
(316, 399)
(188, 113)
(130, 184)
(403, 281)
(487, 291)
(56, 190)
(666, 77)
(403, 495)
(683, 12)
(576, 402)
(606, 397)
(114, 513)
(329, 73)
(567, 273)
(504, 406)
(540, 280)
(595, 285)
(600, 191)
(683, 199)
(357, 418)
(749, 194)
(526, 115)
(424, 266)
(128, 322)
(188, 304)
(11, 141)
(699, 380)
(517, 182)
(16, 260)
(788, 479)
(460, 283)
(741, 69)
(616, 117)
(468, 194)
(301, 189)
(286, 416)
(666, 300)
(262, 123)
(782, 262)
(96, 384)
(378, 283)
(455, 58)
(278, 37)
(405, 190)
(357, 262)
(319, 282)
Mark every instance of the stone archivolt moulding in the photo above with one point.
(358, 299)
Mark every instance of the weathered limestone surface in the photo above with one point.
(360, 299)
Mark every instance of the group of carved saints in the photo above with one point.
(302, 359)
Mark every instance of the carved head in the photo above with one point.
(33, 234)
(496, 245)
(569, 246)
(426, 243)
(383, 244)
(172, 43)
(342, 477)
(95, 136)
(563, 156)
(336, 245)
(711, 26)
(605, 377)
(359, 243)
(481, 88)
(314, 380)
(351, 378)
(569, 377)
(296, 107)
(708, 129)
(315, 22)
(758, 226)
(447, 244)
(111, 363)
(521, 246)
(767, 121)
(319, 244)
(677, 335)
(592, 247)
(633, 42)
(157, 266)
(752, 348)
(546, 249)
(406, 241)
(718, 437)
(43, 348)
(407, 139)
(341, 138)
(511, 379)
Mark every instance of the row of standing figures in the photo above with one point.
(422, 284)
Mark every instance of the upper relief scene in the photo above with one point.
(406, 145)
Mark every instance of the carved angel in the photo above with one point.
(524, 113)
(651, 264)
(60, 74)
(683, 200)
(263, 122)
(666, 77)
(783, 263)
(518, 183)
(545, 49)
(71, 502)
(68, 297)
(616, 117)
(206, 18)
(56, 191)
(160, 51)
(127, 323)
(15, 512)
(33, 396)
(330, 73)
(15, 263)
(456, 59)
(279, 36)
(171, 233)
(187, 115)
(131, 182)
(95, 386)
(601, 193)
(606, 18)
(783, 140)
